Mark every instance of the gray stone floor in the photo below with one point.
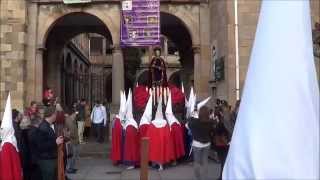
(95, 165)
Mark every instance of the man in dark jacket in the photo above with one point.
(16, 119)
(33, 136)
(47, 144)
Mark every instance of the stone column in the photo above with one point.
(31, 52)
(39, 74)
(117, 74)
(197, 68)
(205, 49)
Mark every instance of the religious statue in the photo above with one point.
(157, 70)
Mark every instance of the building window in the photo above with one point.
(96, 45)
(172, 49)
(168, 46)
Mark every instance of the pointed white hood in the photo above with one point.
(7, 130)
(129, 116)
(281, 68)
(159, 122)
(147, 115)
(202, 103)
(182, 87)
(122, 108)
(169, 114)
(190, 103)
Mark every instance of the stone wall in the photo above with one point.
(248, 13)
(82, 43)
(223, 39)
(222, 31)
(12, 51)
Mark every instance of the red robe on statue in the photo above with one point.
(160, 147)
(177, 135)
(116, 140)
(10, 163)
(131, 145)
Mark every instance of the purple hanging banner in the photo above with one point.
(140, 23)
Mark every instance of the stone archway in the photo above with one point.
(46, 20)
(49, 16)
(189, 19)
(58, 38)
(176, 30)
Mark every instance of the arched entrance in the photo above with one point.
(177, 45)
(78, 58)
(177, 51)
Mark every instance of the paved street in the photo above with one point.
(94, 165)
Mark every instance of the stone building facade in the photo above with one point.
(34, 32)
(223, 38)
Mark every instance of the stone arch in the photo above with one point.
(50, 20)
(175, 29)
(188, 21)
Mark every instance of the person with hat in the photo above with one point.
(116, 138)
(9, 157)
(48, 145)
(146, 118)
(160, 147)
(176, 131)
(131, 138)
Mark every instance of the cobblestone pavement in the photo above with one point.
(95, 165)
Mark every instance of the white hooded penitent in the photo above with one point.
(7, 130)
(122, 109)
(169, 114)
(159, 121)
(276, 135)
(129, 115)
(147, 115)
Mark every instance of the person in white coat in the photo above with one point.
(99, 120)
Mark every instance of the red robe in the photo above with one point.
(143, 130)
(177, 135)
(160, 146)
(131, 145)
(116, 140)
(10, 163)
